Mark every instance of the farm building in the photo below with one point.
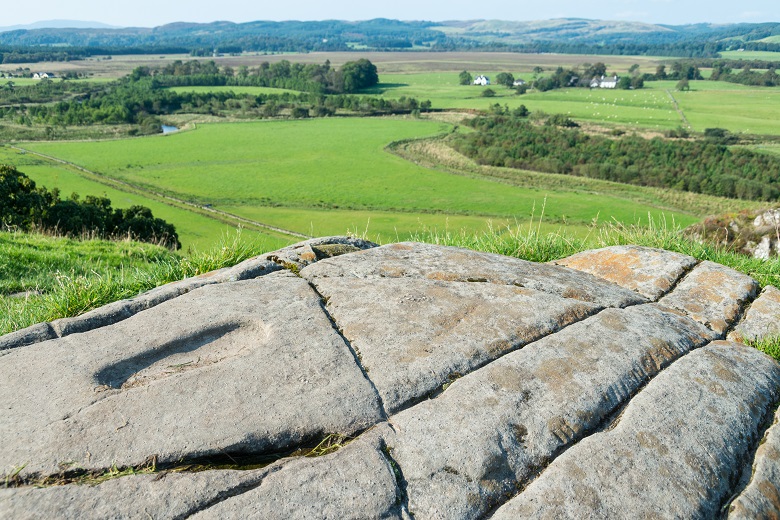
(604, 82)
(482, 80)
(44, 75)
(518, 82)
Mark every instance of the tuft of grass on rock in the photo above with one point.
(769, 346)
(530, 243)
(74, 292)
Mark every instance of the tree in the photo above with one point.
(506, 79)
(634, 69)
(358, 75)
(465, 78)
(624, 83)
(21, 202)
(537, 70)
(488, 92)
(521, 111)
(683, 85)
(561, 120)
(25, 206)
(660, 72)
(596, 70)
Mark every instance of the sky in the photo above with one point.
(150, 13)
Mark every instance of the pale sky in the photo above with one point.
(149, 13)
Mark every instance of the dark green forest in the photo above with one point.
(25, 207)
(704, 165)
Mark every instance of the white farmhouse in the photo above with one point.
(44, 75)
(518, 82)
(482, 80)
(604, 82)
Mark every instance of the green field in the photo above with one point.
(709, 103)
(289, 173)
(334, 175)
(35, 262)
(751, 55)
(750, 110)
(195, 231)
(20, 81)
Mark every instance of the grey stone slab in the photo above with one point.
(431, 262)
(27, 336)
(677, 451)
(414, 336)
(648, 271)
(251, 366)
(160, 496)
(295, 256)
(356, 482)
(106, 315)
(487, 435)
(762, 319)
(761, 497)
(713, 295)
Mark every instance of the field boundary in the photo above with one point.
(678, 109)
(207, 211)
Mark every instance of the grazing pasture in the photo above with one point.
(333, 175)
(196, 230)
(751, 55)
(738, 108)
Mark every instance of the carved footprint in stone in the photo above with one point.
(202, 348)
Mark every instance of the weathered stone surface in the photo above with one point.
(106, 315)
(310, 251)
(676, 452)
(713, 295)
(30, 335)
(761, 498)
(235, 367)
(495, 372)
(298, 255)
(489, 432)
(413, 336)
(762, 319)
(161, 496)
(355, 482)
(650, 272)
(425, 261)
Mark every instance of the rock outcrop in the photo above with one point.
(435, 382)
(756, 234)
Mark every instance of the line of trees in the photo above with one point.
(700, 166)
(351, 77)
(583, 75)
(142, 103)
(733, 71)
(25, 206)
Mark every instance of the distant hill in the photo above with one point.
(58, 24)
(564, 35)
(573, 29)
